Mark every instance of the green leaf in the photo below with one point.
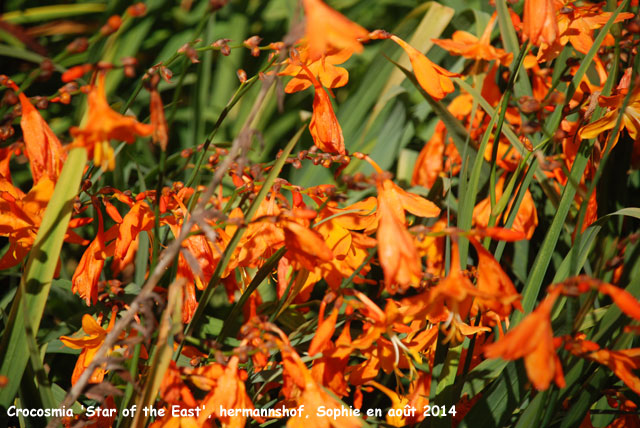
(496, 405)
(47, 13)
(510, 41)
(31, 298)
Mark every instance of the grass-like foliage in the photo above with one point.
(320, 213)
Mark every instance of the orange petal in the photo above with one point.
(592, 130)
(415, 204)
(323, 335)
(327, 28)
(431, 77)
(625, 300)
(45, 153)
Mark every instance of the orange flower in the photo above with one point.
(324, 126)
(196, 260)
(439, 156)
(627, 303)
(331, 367)
(431, 77)
(43, 149)
(428, 166)
(507, 157)
(229, 393)
(173, 390)
(328, 29)
(432, 247)
(451, 297)
(539, 21)
(576, 25)
(306, 392)
(87, 274)
(397, 405)
(326, 328)
(139, 218)
(377, 322)
(630, 117)
(45, 153)
(532, 340)
(120, 241)
(21, 215)
(494, 281)
(349, 247)
(623, 363)
(202, 254)
(456, 291)
(623, 299)
(469, 46)
(304, 245)
(104, 124)
(5, 159)
(397, 252)
(262, 238)
(526, 219)
(323, 69)
(89, 345)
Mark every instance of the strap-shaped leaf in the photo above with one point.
(28, 306)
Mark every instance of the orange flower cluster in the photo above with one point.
(333, 293)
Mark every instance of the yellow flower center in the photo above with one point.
(104, 156)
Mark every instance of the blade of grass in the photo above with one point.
(495, 406)
(465, 213)
(38, 275)
(47, 13)
(444, 390)
(170, 325)
(259, 277)
(511, 136)
(26, 55)
(510, 41)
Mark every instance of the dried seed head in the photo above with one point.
(79, 45)
(529, 104)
